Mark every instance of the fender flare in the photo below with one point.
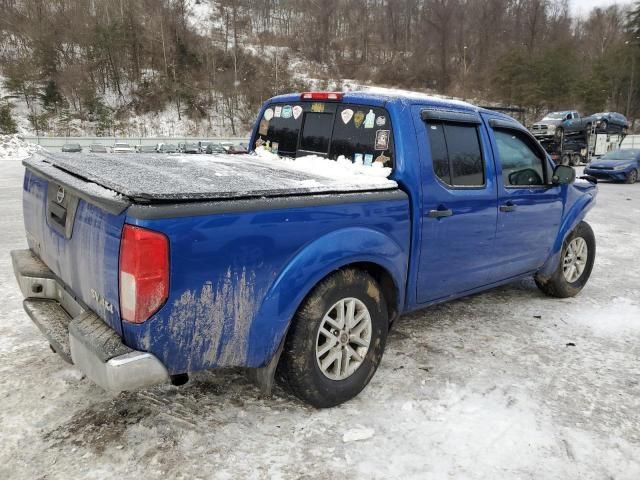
(306, 269)
(571, 220)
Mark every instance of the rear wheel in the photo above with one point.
(336, 340)
(576, 159)
(576, 262)
(565, 160)
(632, 177)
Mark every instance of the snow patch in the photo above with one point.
(334, 169)
(600, 320)
(356, 434)
(14, 148)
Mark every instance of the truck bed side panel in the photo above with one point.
(224, 265)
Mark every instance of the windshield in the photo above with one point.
(359, 133)
(631, 154)
(555, 116)
(122, 145)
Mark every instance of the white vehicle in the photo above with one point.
(123, 148)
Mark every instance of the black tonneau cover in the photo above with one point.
(152, 178)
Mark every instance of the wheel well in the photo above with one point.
(387, 285)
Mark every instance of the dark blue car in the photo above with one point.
(142, 269)
(619, 166)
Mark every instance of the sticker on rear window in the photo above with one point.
(357, 158)
(381, 121)
(264, 127)
(369, 119)
(297, 111)
(382, 159)
(268, 114)
(287, 111)
(368, 159)
(346, 115)
(358, 118)
(278, 112)
(317, 107)
(382, 140)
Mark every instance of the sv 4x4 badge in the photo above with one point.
(100, 300)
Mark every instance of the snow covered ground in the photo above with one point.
(506, 384)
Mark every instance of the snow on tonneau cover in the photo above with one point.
(75, 205)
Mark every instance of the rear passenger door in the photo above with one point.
(459, 204)
(529, 205)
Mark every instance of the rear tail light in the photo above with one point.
(144, 273)
(324, 96)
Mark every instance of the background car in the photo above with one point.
(203, 144)
(146, 148)
(215, 148)
(120, 147)
(610, 122)
(559, 123)
(191, 147)
(71, 148)
(167, 148)
(619, 165)
(97, 148)
(235, 148)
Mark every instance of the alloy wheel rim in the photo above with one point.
(575, 259)
(343, 338)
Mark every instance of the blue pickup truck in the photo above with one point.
(141, 269)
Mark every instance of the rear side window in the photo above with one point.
(359, 133)
(456, 154)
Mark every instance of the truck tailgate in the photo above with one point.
(75, 228)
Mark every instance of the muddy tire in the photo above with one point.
(329, 356)
(575, 264)
(632, 177)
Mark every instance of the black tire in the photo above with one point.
(557, 285)
(575, 160)
(565, 160)
(632, 177)
(298, 368)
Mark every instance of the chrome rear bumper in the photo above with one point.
(78, 335)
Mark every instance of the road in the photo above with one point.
(505, 384)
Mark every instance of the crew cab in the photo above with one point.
(294, 260)
(559, 123)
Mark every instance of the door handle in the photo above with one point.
(508, 207)
(440, 213)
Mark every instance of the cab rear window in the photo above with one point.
(358, 133)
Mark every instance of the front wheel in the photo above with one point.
(336, 340)
(632, 177)
(576, 262)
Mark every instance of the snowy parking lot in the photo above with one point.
(505, 384)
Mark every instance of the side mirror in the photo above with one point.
(563, 174)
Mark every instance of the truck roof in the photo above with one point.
(380, 96)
